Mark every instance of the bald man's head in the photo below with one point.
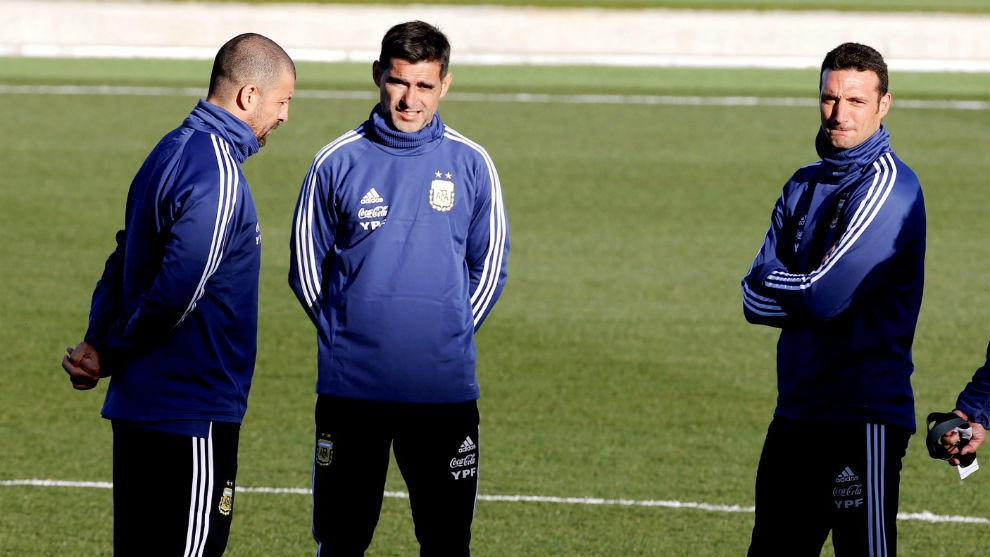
(249, 58)
(253, 79)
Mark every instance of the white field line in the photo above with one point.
(923, 516)
(669, 100)
(634, 60)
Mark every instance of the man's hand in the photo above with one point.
(950, 439)
(82, 363)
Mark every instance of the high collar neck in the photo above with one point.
(211, 118)
(840, 162)
(382, 131)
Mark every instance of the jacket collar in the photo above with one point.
(211, 118)
(839, 164)
(382, 132)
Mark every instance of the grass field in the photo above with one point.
(617, 364)
(964, 6)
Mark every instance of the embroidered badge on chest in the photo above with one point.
(442, 192)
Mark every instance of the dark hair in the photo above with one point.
(855, 56)
(248, 58)
(415, 41)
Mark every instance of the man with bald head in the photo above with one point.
(174, 316)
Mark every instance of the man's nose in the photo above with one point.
(409, 97)
(838, 111)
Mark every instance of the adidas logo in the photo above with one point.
(371, 197)
(467, 445)
(847, 475)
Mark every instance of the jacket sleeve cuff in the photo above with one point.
(976, 412)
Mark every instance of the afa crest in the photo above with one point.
(324, 452)
(442, 195)
(227, 500)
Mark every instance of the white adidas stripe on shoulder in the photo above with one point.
(883, 183)
(228, 181)
(481, 298)
(862, 219)
(307, 266)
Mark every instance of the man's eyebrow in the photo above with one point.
(422, 83)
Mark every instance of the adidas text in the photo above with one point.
(467, 445)
(371, 197)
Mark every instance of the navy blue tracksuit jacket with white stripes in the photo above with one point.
(841, 272)
(399, 250)
(175, 314)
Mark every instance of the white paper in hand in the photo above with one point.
(966, 471)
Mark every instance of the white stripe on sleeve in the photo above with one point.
(306, 262)
(227, 198)
(761, 305)
(482, 297)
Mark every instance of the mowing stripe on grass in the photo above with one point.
(670, 100)
(923, 516)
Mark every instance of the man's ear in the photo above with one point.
(248, 97)
(445, 84)
(376, 72)
(884, 104)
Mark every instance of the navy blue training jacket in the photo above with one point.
(399, 251)
(174, 316)
(974, 400)
(841, 273)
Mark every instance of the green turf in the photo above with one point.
(617, 364)
(500, 79)
(964, 6)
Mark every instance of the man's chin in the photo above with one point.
(406, 126)
(840, 141)
(263, 138)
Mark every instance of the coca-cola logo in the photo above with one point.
(848, 491)
(462, 462)
(374, 213)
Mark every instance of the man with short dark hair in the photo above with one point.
(174, 316)
(399, 251)
(840, 273)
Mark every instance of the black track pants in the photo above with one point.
(436, 449)
(819, 477)
(173, 494)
